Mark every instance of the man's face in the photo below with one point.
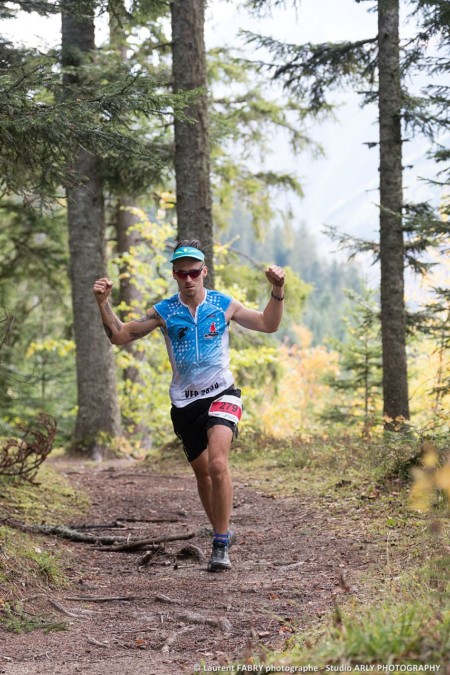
(187, 284)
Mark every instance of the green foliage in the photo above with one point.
(15, 619)
(399, 613)
(37, 357)
(42, 7)
(324, 290)
(146, 264)
(262, 6)
(243, 119)
(41, 127)
(311, 71)
(391, 633)
(253, 355)
(358, 384)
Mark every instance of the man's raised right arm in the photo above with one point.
(120, 333)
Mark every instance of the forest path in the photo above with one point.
(288, 563)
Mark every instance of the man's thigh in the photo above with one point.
(220, 437)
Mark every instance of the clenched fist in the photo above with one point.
(102, 289)
(276, 275)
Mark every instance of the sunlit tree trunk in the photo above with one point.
(98, 409)
(393, 323)
(192, 162)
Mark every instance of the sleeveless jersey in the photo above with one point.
(197, 347)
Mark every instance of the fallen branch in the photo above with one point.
(21, 458)
(190, 617)
(166, 599)
(170, 640)
(146, 558)
(65, 611)
(288, 566)
(141, 543)
(127, 475)
(111, 598)
(64, 532)
(96, 526)
(97, 643)
(157, 519)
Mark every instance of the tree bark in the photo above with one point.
(393, 322)
(192, 161)
(98, 409)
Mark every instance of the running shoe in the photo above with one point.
(220, 560)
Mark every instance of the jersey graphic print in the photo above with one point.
(197, 347)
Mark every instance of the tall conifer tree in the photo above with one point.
(393, 321)
(192, 162)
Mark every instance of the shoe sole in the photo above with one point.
(218, 568)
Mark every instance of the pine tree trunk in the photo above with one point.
(98, 409)
(393, 323)
(192, 162)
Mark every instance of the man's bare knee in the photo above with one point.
(218, 468)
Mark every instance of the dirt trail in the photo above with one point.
(287, 565)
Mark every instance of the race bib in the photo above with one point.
(227, 407)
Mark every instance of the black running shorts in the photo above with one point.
(192, 422)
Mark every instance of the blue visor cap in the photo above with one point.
(187, 252)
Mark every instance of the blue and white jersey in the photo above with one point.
(197, 347)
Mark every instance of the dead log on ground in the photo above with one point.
(171, 639)
(131, 546)
(107, 598)
(190, 617)
(64, 532)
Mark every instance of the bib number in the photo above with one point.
(227, 407)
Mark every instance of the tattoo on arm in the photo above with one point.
(108, 331)
(148, 317)
(114, 318)
(139, 334)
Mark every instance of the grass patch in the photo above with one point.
(49, 498)
(401, 613)
(381, 459)
(410, 625)
(15, 619)
(26, 565)
(31, 564)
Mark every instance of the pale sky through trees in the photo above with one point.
(341, 188)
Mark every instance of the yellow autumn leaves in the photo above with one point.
(431, 481)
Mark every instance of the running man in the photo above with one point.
(206, 407)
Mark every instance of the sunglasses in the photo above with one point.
(181, 274)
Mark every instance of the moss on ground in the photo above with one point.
(31, 564)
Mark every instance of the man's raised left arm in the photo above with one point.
(269, 319)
